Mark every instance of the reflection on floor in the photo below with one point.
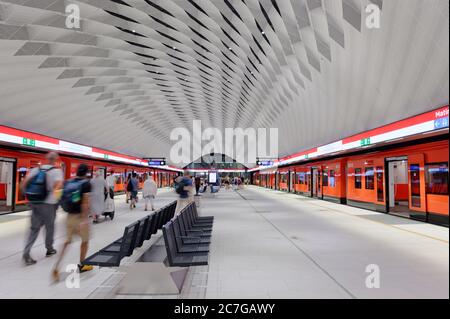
(402, 209)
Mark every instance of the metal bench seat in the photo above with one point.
(177, 259)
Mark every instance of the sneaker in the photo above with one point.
(51, 252)
(85, 268)
(29, 261)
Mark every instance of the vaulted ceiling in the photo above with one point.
(136, 69)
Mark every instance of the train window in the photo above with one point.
(22, 174)
(436, 176)
(369, 178)
(332, 178)
(380, 185)
(414, 171)
(358, 181)
(325, 178)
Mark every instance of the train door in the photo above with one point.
(397, 186)
(316, 189)
(405, 187)
(291, 182)
(7, 182)
(416, 187)
(313, 182)
(276, 186)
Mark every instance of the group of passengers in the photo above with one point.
(234, 183)
(149, 191)
(81, 197)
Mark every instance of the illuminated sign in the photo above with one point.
(212, 177)
(29, 142)
(156, 163)
(441, 123)
(265, 163)
(365, 141)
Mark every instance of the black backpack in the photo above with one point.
(36, 190)
(71, 198)
(130, 186)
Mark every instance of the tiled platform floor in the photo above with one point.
(266, 244)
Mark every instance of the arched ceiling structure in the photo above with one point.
(136, 69)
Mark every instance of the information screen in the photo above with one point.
(212, 178)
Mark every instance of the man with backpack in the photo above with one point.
(42, 187)
(133, 187)
(75, 201)
(184, 190)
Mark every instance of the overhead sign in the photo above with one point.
(156, 163)
(265, 163)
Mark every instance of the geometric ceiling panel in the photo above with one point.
(136, 69)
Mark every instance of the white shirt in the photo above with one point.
(111, 181)
(150, 188)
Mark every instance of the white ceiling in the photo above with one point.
(316, 71)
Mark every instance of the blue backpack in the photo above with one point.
(179, 188)
(36, 190)
(71, 198)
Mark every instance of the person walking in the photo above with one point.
(43, 187)
(128, 188)
(149, 192)
(183, 189)
(134, 188)
(76, 202)
(99, 190)
(198, 183)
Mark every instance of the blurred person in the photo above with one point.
(76, 202)
(239, 183)
(183, 189)
(149, 192)
(109, 202)
(111, 181)
(227, 183)
(99, 193)
(43, 188)
(198, 182)
(128, 188)
(134, 188)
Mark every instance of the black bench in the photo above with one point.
(134, 236)
(206, 219)
(177, 259)
(191, 238)
(111, 256)
(187, 239)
